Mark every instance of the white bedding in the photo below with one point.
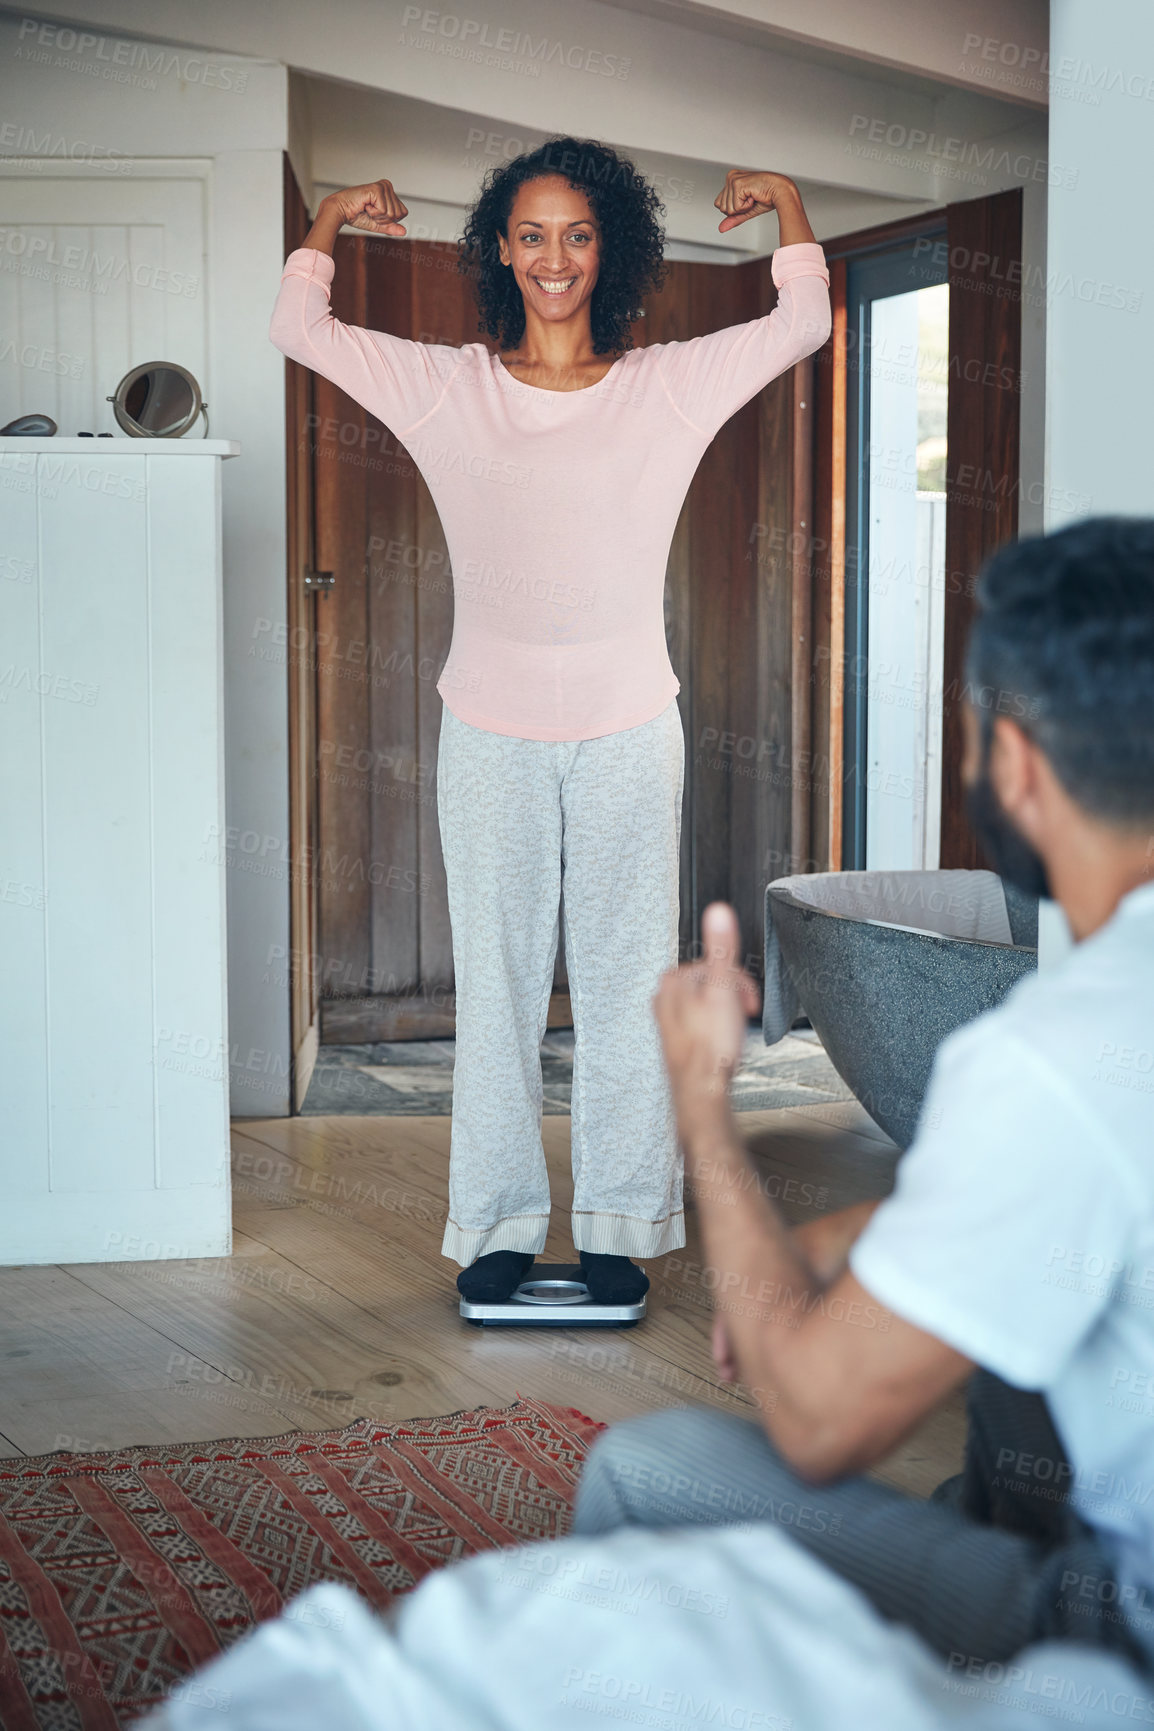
(732, 1628)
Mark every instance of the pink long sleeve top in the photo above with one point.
(558, 507)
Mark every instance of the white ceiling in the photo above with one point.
(878, 108)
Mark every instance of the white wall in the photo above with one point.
(1100, 262)
(680, 83)
(1099, 277)
(435, 156)
(103, 106)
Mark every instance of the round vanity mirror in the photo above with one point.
(158, 400)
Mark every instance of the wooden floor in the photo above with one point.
(337, 1303)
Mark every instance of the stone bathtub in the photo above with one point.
(885, 965)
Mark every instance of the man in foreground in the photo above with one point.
(1020, 1236)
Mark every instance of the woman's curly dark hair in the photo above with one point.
(632, 239)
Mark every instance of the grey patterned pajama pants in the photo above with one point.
(1010, 1564)
(519, 818)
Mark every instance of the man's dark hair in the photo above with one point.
(632, 239)
(1063, 643)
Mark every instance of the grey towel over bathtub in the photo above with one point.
(780, 1007)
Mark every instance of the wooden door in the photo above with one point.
(303, 980)
(982, 477)
(825, 552)
(385, 939)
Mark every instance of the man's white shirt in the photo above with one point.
(1021, 1227)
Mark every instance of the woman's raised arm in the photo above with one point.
(709, 378)
(751, 192)
(397, 380)
(374, 206)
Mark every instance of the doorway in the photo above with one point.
(881, 394)
(897, 392)
(767, 618)
(736, 614)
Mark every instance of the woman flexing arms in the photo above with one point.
(559, 466)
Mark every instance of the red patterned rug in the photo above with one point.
(122, 1572)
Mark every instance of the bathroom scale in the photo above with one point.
(552, 1295)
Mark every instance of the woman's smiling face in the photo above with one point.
(554, 246)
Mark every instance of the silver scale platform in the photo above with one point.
(553, 1294)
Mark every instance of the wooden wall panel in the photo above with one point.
(837, 556)
(344, 719)
(300, 612)
(443, 311)
(985, 242)
(800, 383)
(737, 449)
(773, 564)
(398, 569)
(723, 503)
(713, 500)
(826, 546)
(668, 319)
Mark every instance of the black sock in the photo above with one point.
(495, 1277)
(613, 1279)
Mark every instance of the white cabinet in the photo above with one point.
(113, 1029)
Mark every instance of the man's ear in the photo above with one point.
(971, 743)
(1013, 765)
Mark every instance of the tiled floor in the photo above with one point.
(400, 1078)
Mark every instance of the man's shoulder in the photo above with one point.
(1066, 1034)
(1114, 967)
